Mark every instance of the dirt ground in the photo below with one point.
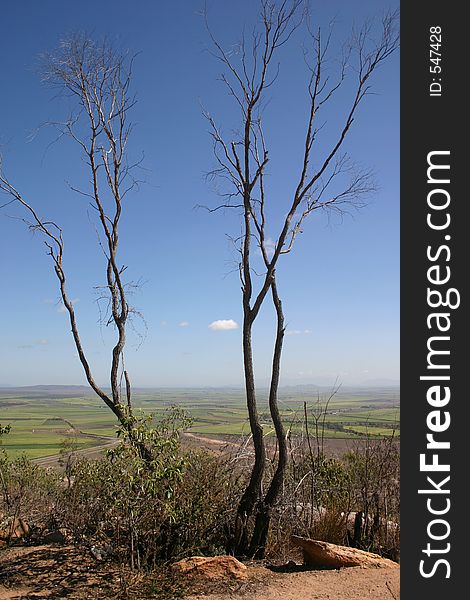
(56, 572)
(346, 584)
(53, 572)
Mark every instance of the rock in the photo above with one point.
(56, 536)
(101, 553)
(16, 529)
(211, 568)
(323, 555)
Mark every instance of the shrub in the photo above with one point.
(175, 505)
(27, 491)
(352, 500)
(374, 467)
(204, 506)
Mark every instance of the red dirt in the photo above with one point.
(353, 583)
(56, 572)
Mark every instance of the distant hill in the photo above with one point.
(84, 390)
(60, 391)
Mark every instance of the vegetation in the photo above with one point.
(42, 418)
(143, 514)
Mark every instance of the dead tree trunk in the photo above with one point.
(265, 508)
(329, 182)
(252, 492)
(98, 78)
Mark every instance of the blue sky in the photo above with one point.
(340, 286)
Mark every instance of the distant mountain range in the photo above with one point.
(65, 391)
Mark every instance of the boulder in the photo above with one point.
(211, 568)
(323, 555)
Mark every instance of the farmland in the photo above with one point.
(42, 417)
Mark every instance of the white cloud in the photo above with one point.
(298, 332)
(42, 342)
(223, 325)
(183, 324)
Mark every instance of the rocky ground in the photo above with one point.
(55, 572)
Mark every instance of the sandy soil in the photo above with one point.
(346, 584)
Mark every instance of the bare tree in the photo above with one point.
(98, 79)
(332, 183)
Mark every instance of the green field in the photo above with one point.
(42, 418)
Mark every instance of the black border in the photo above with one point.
(428, 124)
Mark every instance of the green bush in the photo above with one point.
(144, 511)
(204, 506)
(27, 491)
